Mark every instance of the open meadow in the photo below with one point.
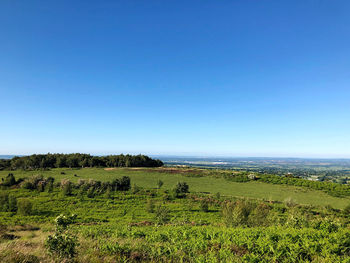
(207, 218)
(200, 180)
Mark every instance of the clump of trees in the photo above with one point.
(77, 160)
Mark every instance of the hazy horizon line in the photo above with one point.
(197, 155)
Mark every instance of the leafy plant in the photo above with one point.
(63, 243)
(24, 207)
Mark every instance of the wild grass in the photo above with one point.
(149, 177)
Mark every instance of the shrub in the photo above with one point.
(66, 187)
(108, 193)
(9, 180)
(135, 189)
(150, 206)
(347, 210)
(4, 202)
(181, 189)
(162, 215)
(24, 207)
(41, 186)
(122, 184)
(236, 213)
(12, 203)
(160, 183)
(49, 187)
(63, 243)
(204, 206)
(27, 185)
(259, 216)
(91, 192)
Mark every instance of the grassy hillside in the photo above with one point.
(154, 225)
(199, 181)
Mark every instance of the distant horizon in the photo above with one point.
(193, 156)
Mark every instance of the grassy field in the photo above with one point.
(148, 177)
(147, 224)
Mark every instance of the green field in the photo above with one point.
(243, 223)
(147, 178)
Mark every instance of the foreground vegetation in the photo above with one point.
(146, 215)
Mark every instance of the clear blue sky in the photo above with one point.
(237, 78)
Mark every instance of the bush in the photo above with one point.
(259, 216)
(91, 192)
(135, 189)
(66, 187)
(150, 206)
(162, 215)
(27, 185)
(122, 184)
(160, 184)
(9, 180)
(181, 189)
(4, 202)
(236, 213)
(24, 207)
(49, 187)
(62, 244)
(204, 206)
(12, 203)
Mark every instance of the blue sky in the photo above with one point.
(233, 78)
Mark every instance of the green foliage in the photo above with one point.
(66, 186)
(44, 161)
(8, 203)
(162, 215)
(24, 207)
(9, 180)
(204, 206)
(181, 189)
(124, 229)
(63, 243)
(245, 213)
(135, 189)
(334, 189)
(150, 206)
(12, 201)
(160, 183)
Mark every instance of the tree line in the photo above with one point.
(77, 160)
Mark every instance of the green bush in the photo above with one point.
(204, 206)
(159, 183)
(25, 207)
(9, 180)
(12, 203)
(66, 187)
(181, 189)
(62, 244)
(150, 206)
(236, 213)
(162, 215)
(4, 201)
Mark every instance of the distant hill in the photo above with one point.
(8, 156)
